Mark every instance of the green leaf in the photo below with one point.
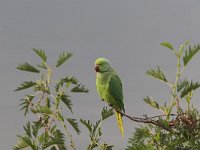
(158, 74)
(189, 88)
(21, 144)
(42, 110)
(24, 142)
(40, 53)
(106, 113)
(105, 146)
(58, 134)
(48, 102)
(27, 129)
(140, 134)
(53, 143)
(36, 126)
(93, 145)
(164, 123)
(99, 132)
(181, 85)
(27, 67)
(168, 45)
(190, 53)
(58, 138)
(152, 102)
(25, 85)
(43, 65)
(79, 88)
(67, 80)
(43, 138)
(42, 86)
(87, 124)
(25, 103)
(65, 99)
(95, 127)
(188, 97)
(72, 80)
(74, 124)
(59, 116)
(62, 58)
(140, 146)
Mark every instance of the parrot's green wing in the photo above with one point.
(116, 90)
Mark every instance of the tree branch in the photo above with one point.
(148, 120)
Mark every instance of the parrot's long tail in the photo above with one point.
(120, 122)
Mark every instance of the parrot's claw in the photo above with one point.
(109, 104)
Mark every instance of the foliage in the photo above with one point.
(158, 74)
(46, 101)
(95, 131)
(62, 58)
(184, 130)
(176, 128)
(27, 67)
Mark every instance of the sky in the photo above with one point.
(128, 33)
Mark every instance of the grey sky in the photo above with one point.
(127, 32)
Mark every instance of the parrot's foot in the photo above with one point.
(109, 104)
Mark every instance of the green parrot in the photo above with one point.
(109, 88)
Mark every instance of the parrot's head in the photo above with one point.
(102, 65)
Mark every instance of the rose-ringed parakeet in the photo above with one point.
(109, 88)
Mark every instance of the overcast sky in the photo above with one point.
(127, 32)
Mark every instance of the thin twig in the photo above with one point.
(160, 116)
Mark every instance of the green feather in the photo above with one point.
(115, 87)
(109, 87)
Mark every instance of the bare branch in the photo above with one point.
(148, 120)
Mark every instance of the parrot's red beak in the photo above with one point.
(96, 68)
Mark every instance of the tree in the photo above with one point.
(175, 128)
(179, 131)
(49, 128)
